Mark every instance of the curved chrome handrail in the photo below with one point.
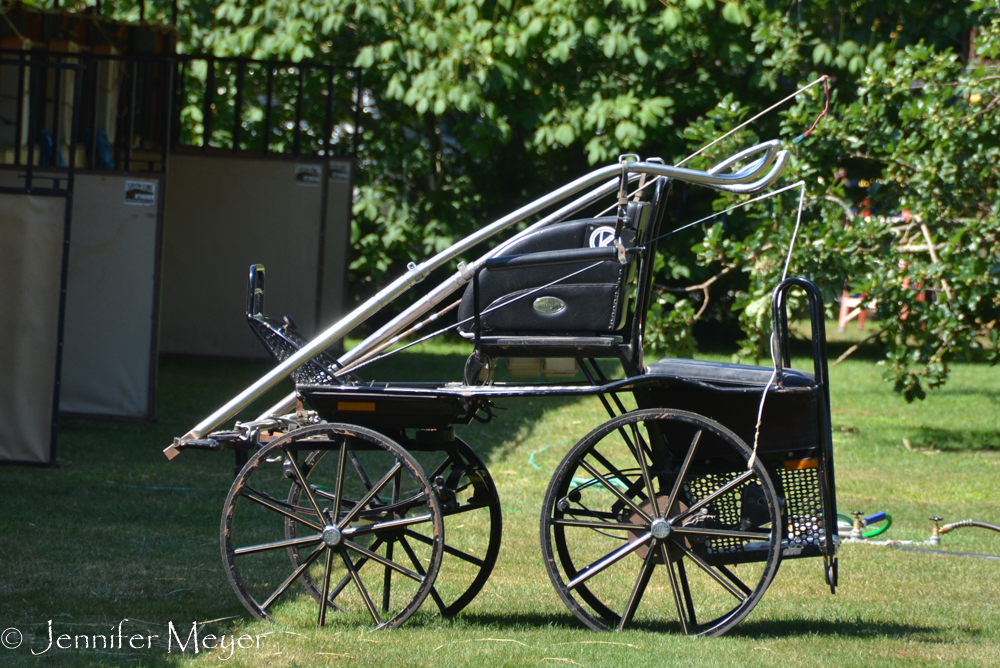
(771, 148)
(748, 180)
(752, 188)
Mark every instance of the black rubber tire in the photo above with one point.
(467, 563)
(463, 470)
(602, 480)
(357, 526)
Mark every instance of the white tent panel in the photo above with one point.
(108, 364)
(32, 232)
(224, 213)
(336, 243)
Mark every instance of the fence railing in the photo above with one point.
(134, 109)
(45, 111)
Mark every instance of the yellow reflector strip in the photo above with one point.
(799, 464)
(362, 406)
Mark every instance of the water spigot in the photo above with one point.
(856, 529)
(935, 538)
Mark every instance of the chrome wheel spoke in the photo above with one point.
(455, 552)
(614, 490)
(609, 559)
(675, 589)
(735, 482)
(640, 455)
(375, 489)
(729, 533)
(360, 469)
(735, 580)
(278, 544)
(352, 571)
(339, 489)
(304, 483)
(607, 526)
(682, 473)
(703, 565)
(388, 563)
(639, 588)
(291, 578)
(387, 579)
(686, 590)
(326, 587)
(388, 524)
(347, 578)
(420, 569)
(277, 506)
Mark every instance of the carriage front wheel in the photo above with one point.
(661, 508)
(344, 503)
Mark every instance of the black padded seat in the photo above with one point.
(587, 297)
(721, 373)
(550, 346)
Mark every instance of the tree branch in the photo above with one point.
(853, 349)
(848, 211)
(934, 257)
(709, 282)
(867, 156)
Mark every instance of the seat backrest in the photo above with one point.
(580, 298)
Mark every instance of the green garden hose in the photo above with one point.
(871, 519)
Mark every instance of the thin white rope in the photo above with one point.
(369, 361)
(774, 348)
(746, 123)
(725, 211)
(631, 194)
(716, 141)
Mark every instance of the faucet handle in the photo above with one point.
(856, 529)
(935, 529)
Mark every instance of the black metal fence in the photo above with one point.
(268, 106)
(134, 110)
(45, 112)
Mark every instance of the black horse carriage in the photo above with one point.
(704, 478)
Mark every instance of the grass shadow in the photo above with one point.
(960, 439)
(520, 621)
(748, 629)
(848, 628)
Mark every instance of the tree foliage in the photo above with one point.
(475, 106)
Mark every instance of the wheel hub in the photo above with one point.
(332, 536)
(659, 528)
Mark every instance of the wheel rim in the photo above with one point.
(339, 522)
(698, 552)
(473, 525)
(472, 517)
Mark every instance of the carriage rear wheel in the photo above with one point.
(357, 499)
(473, 524)
(472, 516)
(661, 507)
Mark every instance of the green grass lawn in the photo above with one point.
(116, 532)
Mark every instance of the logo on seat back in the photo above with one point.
(602, 236)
